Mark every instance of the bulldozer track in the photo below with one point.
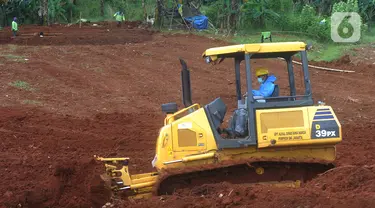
(240, 172)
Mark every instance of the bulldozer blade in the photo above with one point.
(107, 179)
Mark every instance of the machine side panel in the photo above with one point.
(189, 135)
(278, 127)
(301, 126)
(192, 133)
(324, 124)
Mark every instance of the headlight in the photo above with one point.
(208, 59)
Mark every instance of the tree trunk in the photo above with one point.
(144, 10)
(45, 13)
(228, 24)
(102, 8)
(225, 20)
(71, 11)
(262, 21)
(3, 16)
(233, 16)
(158, 13)
(43, 16)
(371, 15)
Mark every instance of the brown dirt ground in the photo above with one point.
(93, 91)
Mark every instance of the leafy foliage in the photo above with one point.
(349, 6)
(12, 8)
(215, 12)
(56, 10)
(367, 10)
(258, 11)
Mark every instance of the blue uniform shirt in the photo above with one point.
(266, 88)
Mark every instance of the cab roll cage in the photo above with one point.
(252, 105)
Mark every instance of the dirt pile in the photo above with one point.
(48, 158)
(352, 179)
(341, 187)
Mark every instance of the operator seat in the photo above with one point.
(217, 110)
(276, 91)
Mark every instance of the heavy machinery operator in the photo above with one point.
(266, 81)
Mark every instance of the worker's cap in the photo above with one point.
(261, 71)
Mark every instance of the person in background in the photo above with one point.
(120, 17)
(14, 27)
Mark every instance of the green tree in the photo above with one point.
(349, 6)
(15, 8)
(56, 10)
(367, 10)
(259, 11)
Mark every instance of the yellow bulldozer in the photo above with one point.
(276, 140)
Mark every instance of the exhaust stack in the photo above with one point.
(186, 88)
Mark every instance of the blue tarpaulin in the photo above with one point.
(199, 22)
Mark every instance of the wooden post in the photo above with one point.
(102, 8)
(44, 8)
(80, 19)
(47, 13)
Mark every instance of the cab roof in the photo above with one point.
(257, 48)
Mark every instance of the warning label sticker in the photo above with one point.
(289, 135)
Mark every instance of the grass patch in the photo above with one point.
(321, 51)
(15, 58)
(369, 37)
(21, 85)
(332, 52)
(94, 69)
(12, 47)
(31, 102)
(98, 69)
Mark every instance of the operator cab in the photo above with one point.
(241, 130)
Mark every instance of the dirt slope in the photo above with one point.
(93, 91)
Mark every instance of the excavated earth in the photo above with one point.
(80, 92)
